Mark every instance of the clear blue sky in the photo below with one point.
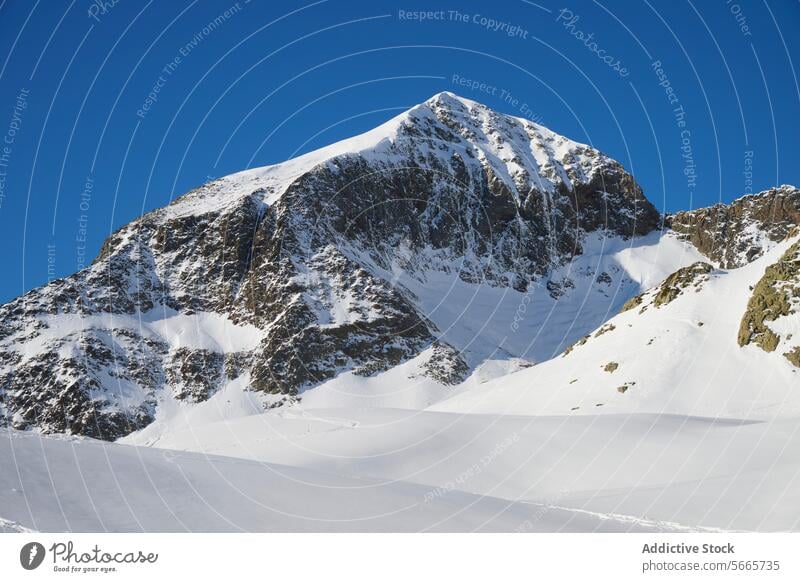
(267, 80)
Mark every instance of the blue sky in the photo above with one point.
(700, 100)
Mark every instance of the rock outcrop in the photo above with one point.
(735, 234)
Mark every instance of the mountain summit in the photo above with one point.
(451, 242)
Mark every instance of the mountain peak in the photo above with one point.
(284, 277)
(448, 98)
(520, 155)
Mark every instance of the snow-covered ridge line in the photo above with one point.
(522, 148)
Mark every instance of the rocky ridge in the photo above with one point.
(735, 234)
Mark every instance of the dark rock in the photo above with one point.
(730, 234)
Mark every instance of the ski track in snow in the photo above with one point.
(8, 526)
(658, 525)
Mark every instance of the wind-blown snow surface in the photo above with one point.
(393, 470)
(77, 484)
(691, 472)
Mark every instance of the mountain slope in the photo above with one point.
(688, 346)
(283, 277)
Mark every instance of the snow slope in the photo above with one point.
(687, 447)
(54, 484)
(690, 472)
(499, 330)
(679, 358)
(386, 335)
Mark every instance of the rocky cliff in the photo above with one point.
(738, 233)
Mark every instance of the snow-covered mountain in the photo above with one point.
(414, 264)
(456, 321)
(289, 275)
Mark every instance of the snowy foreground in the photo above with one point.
(401, 470)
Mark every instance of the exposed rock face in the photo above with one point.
(446, 365)
(194, 374)
(287, 274)
(738, 233)
(775, 297)
(678, 282)
(675, 285)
